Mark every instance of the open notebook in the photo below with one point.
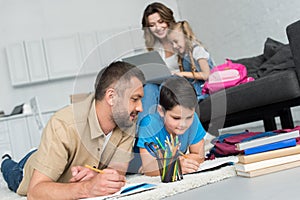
(152, 65)
(127, 190)
(217, 163)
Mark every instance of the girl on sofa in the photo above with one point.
(193, 59)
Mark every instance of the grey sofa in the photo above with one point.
(275, 90)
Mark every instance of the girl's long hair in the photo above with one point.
(190, 40)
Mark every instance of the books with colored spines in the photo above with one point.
(269, 154)
(267, 140)
(268, 170)
(271, 146)
(266, 163)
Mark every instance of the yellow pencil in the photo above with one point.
(183, 155)
(95, 169)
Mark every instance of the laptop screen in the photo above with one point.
(152, 65)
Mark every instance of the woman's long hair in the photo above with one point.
(166, 15)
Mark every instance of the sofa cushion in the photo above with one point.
(252, 64)
(270, 89)
(276, 57)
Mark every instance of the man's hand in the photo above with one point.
(81, 173)
(86, 184)
(107, 183)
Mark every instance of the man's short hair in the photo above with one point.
(116, 71)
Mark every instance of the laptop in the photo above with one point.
(152, 65)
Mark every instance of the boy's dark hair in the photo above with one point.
(116, 71)
(177, 91)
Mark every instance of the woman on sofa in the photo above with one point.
(155, 22)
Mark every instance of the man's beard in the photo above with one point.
(122, 119)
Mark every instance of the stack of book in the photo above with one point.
(268, 154)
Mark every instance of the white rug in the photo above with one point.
(189, 182)
(163, 190)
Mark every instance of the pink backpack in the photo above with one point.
(224, 76)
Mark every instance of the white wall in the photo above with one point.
(35, 19)
(238, 29)
(229, 29)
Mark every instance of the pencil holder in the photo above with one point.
(170, 169)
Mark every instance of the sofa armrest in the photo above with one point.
(293, 33)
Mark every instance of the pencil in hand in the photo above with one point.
(182, 154)
(94, 169)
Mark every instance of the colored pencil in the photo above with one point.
(95, 169)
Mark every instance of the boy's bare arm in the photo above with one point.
(150, 166)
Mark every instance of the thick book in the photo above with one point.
(266, 163)
(271, 146)
(268, 170)
(267, 140)
(269, 154)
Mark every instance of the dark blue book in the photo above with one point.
(271, 146)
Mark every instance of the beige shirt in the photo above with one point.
(74, 137)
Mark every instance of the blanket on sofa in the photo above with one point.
(276, 57)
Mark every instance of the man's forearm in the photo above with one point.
(58, 191)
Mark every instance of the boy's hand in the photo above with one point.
(190, 163)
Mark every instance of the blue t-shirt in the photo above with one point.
(152, 126)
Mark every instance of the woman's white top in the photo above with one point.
(171, 62)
